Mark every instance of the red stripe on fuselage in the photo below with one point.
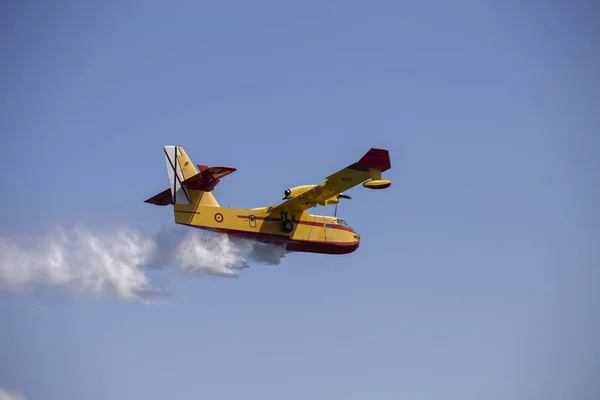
(340, 227)
(279, 220)
(301, 222)
(304, 222)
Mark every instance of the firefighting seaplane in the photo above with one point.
(287, 224)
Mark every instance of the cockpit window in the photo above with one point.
(341, 222)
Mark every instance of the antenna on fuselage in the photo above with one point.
(340, 196)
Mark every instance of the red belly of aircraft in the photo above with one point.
(308, 246)
(323, 247)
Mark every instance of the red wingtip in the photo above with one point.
(376, 158)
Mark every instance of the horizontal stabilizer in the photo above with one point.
(217, 172)
(162, 199)
(208, 178)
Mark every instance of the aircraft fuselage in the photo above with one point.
(309, 233)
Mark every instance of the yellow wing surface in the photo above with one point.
(368, 170)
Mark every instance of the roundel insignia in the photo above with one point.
(219, 217)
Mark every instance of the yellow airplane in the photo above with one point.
(287, 224)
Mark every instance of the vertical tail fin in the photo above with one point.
(186, 184)
(173, 157)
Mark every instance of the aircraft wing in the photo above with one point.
(368, 167)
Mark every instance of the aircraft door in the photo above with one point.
(316, 230)
(252, 221)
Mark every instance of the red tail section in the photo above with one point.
(208, 177)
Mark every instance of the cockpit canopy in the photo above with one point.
(342, 222)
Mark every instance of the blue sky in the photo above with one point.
(477, 272)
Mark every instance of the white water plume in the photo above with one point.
(222, 256)
(113, 264)
(94, 264)
(6, 394)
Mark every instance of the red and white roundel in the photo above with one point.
(219, 217)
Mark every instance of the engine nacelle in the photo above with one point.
(332, 200)
(295, 191)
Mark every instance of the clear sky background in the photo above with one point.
(477, 275)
